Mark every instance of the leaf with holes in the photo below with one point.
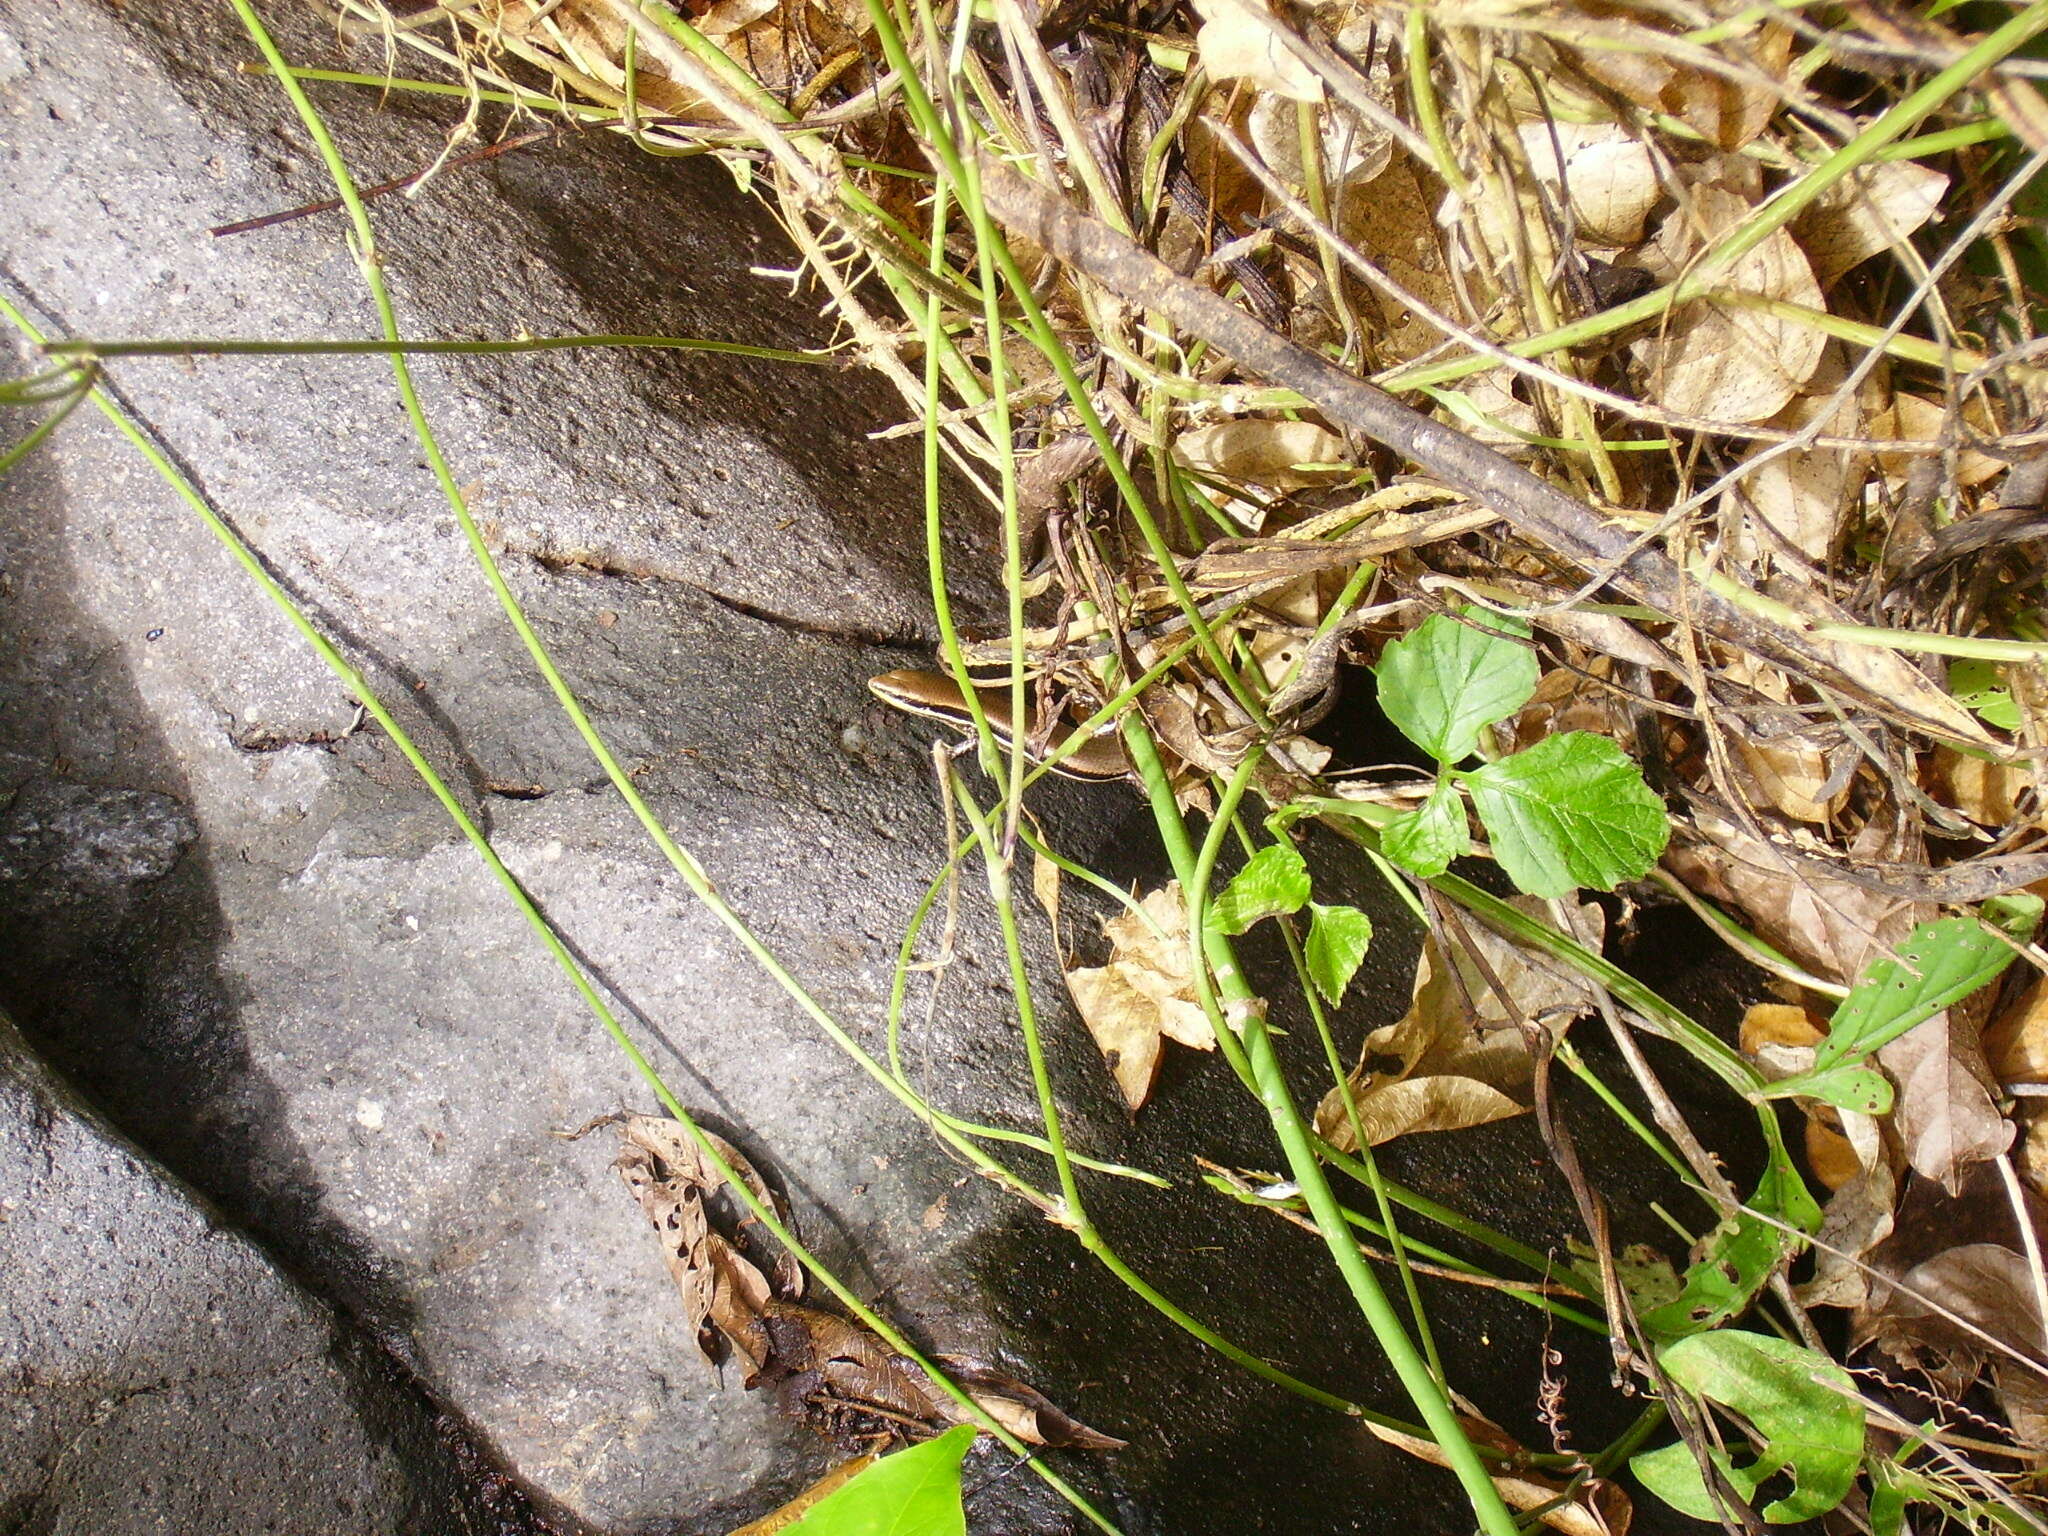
(1738, 1258)
(1940, 963)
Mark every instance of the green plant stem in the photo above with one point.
(1254, 1057)
(207, 347)
(67, 403)
(996, 863)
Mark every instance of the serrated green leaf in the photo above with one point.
(1338, 938)
(1449, 680)
(1428, 838)
(1800, 1404)
(1940, 964)
(1571, 811)
(915, 1492)
(1274, 880)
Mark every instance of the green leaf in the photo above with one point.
(915, 1492)
(1940, 963)
(1978, 685)
(1274, 880)
(1739, 1257)
(1338, 938)
(1571, 811)
(1425, 840)
(1799, 1404)
(1846, 1086)
(1671, 1473)
(1446, 682)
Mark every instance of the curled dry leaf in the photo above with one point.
(1457, 1058)
(1145, 994)
(1019, 1407)
(723, 1290)
(1718, 359)
(834, 1374)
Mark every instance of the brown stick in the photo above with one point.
(328, 205)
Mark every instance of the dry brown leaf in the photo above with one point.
(1717, 359)
(1240, 40)
(1802, 497)
(1018, 1406)
(722, 1290)
(1946, 1115)
(1986, 792)
(2031, 1156)
(1728, 112)
(1610, 176)
(1145, 993)
(1789, 773)
(1778, 1024)
(1391, 222)
(1566, 699)
(2016, 1046)
(1830, 1154)
(1872, 209)
(1962, 1254)
(1351, 151)
(1595, 1508)
(1856, 1218)
(1986, 1284)
(1828, 926)
(1456, 1058)
(1912, 418)
(1265, 451)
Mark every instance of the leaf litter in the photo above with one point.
(825, 1370)
(1710, 344)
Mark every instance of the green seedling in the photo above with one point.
(1572, 811)
(915, 1492)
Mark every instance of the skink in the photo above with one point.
(937, 697)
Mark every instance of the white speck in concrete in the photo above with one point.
(369, 1114)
